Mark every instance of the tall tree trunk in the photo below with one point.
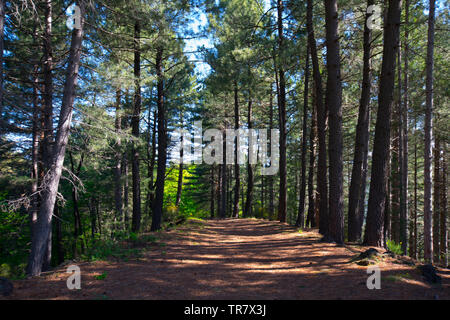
(152, 160)
(377, 196)
(428, 127)
(311, 219)
(301, 206)
(162, 145)
(271, 189)
(180, 172)
(36, 130)
(282, 206)
(250, 179)
(224, 178)
(213, 192)
(118, 188)
(443, 206)
(334, 106)
(47, 112)
(357, 185)
(404, 155)
(436, 201)
(322, 186)
(237, 185)
(136, 218)
(48, 197)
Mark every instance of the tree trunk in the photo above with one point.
(162, 146)
(180, 171)
(436, 201)
(237, 185)
(282, 206)
(443, 206)
(322, 187)
(357, 185)
(118, 188)
(250, 179)
(271, 189)
(334, 106)
(311, 219)
(213, 192)
(43, 227)
(136, 218)
(47, 112)
(428, 127)
(377, 196)
(301, 206)
(404, 155)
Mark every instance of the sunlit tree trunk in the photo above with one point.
(48, 198)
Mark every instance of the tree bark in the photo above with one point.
(357, 192)
(334, 106)
(377, 196)
(162, 145)
(301, 206)
(250, 179)
(43, 227)
(136, 218)
(237, 185)
(428, 127)
(322, 186)
(118, 185)
(443, 206)
(282, 206)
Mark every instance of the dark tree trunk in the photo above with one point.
(334, 106)
(428, 127)
(41, 238)
(36, 129)
(237, 185)
(118, 188)
(282, 206)
(443, 206)
(377, 196)
(47, 112)
(357, 185)
(151, 154)
(271, 189)
(301, 206)
(404, 143)
(224, 178)
(436, 201)
(322, 186)
(162, 146)
(311, 218)
(180, 172)
(250, 179)
(136, 218)
(213, 191)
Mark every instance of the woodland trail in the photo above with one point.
(233, 260)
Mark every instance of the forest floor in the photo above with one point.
(237, 259)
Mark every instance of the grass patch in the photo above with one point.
(102, 276)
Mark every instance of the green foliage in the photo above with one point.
(394, 247)
(102, 276)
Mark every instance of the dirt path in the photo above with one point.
(237, 259)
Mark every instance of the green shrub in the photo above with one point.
(394, 247)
